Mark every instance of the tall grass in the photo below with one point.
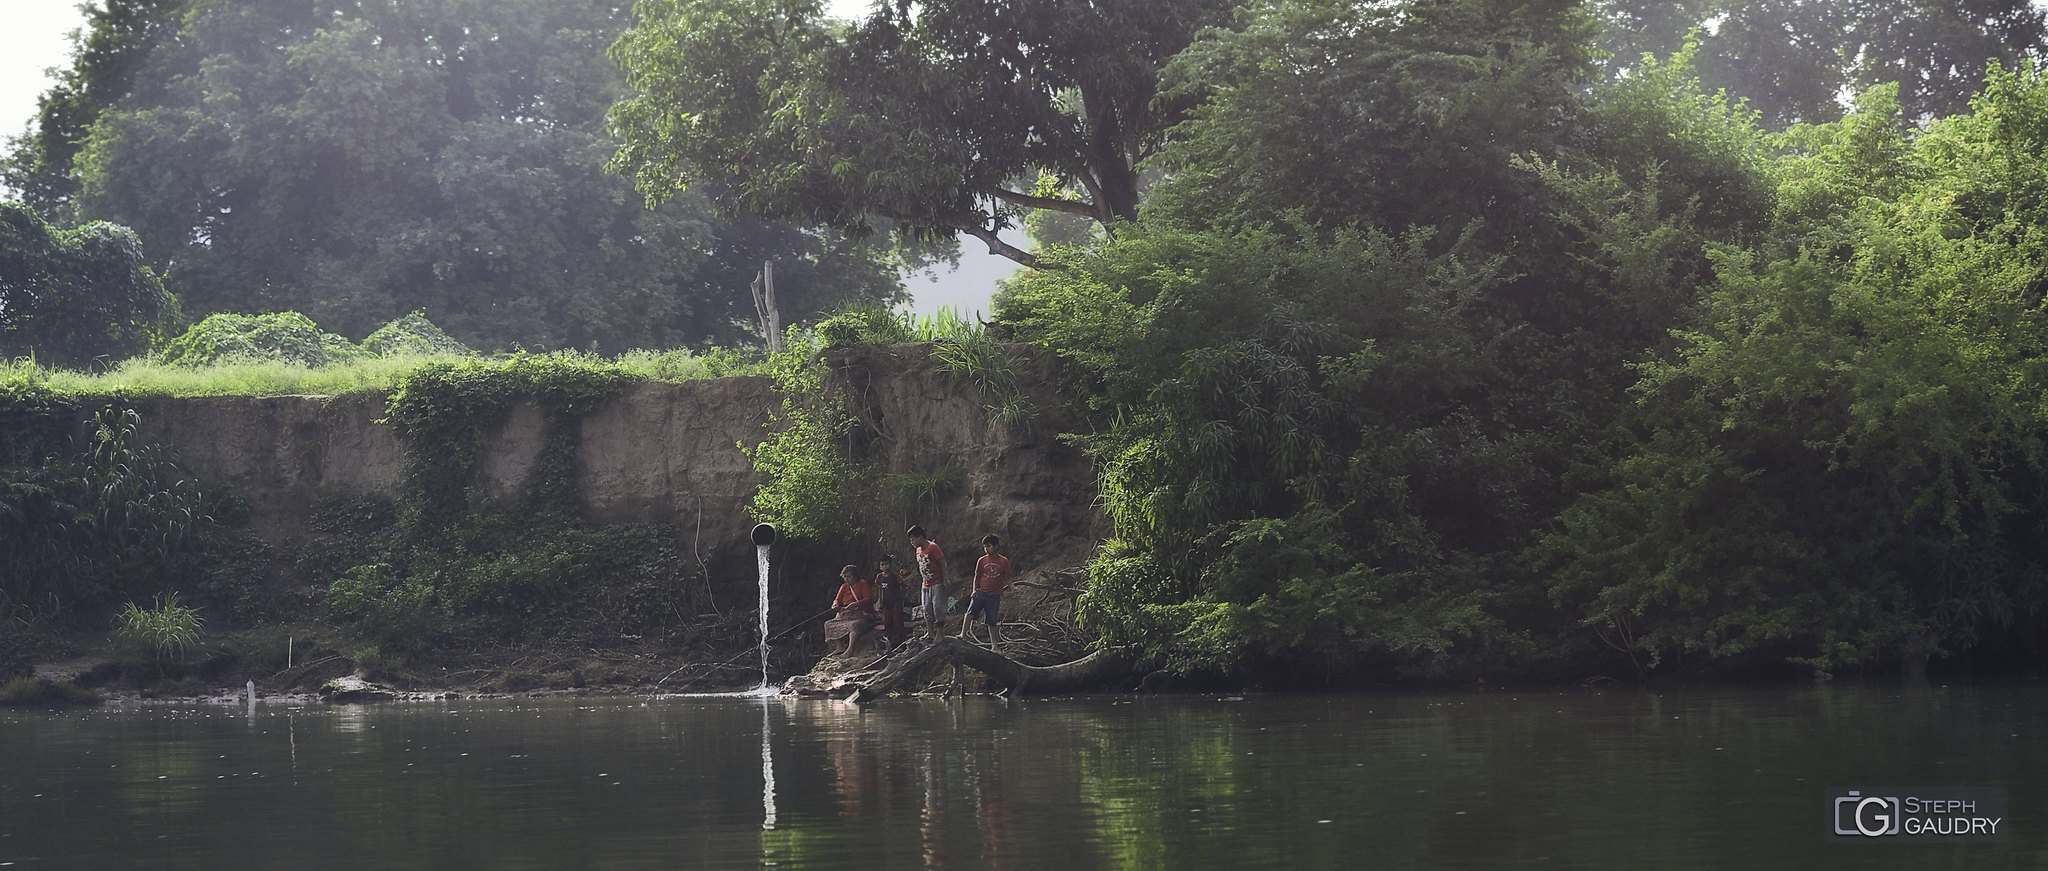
(142, 378)
(948, 324)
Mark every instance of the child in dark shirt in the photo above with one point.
(889, 587)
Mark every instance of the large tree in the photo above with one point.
(108, 58)
(1843, 460)
(359, 161)
(1792, 59)
(935, 118)
(70, 297)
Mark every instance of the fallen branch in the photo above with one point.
(1088, 672)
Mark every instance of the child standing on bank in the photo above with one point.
(889, 587)
(991, 580)
(931, 568)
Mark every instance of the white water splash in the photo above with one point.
(763, 551)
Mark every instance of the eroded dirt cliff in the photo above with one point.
(671, 454)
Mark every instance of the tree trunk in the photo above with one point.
(1088, 672)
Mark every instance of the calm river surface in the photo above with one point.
(1718, 778)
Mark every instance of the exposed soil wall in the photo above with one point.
(1016, 480)
(670, 453)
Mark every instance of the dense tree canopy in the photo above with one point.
(933, 117)
(119, 38)
(70, 297)
(1433, 353)
(1845, 458)
(1792, 59)
(361, 161)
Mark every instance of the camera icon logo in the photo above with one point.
(1872, 816)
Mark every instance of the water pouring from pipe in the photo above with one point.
(764, 537)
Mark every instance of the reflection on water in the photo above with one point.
(1709, 779)
(767, 771)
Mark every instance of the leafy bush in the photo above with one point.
(413, 335)
(862, 324)
(91, 523)
(808, 480)
(69, 297)
(285, 336)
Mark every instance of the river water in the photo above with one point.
(1714, 778)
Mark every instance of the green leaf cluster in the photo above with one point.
(86, 522)
(1842, 460)
(290, 337)
(73, 297)
(809, 481)
(359, 162)
(1262, 488)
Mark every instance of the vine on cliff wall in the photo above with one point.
(448, 562)
(90, 516)
(809, 484)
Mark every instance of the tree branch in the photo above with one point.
(996, 245)
(1029, 201)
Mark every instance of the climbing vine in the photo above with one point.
(448, 563)
(808, 482)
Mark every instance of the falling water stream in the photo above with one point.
(763, 550)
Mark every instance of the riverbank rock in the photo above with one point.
(354, 688)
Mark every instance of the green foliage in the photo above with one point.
(872, 324)
(980, 360)
(442, 410)
(29, 692)
(1257, 469)
(412, 335)
(1842, 462)
(169, 629)
(863, 324)
(71, 297)
(356, 374)
(808, 481)
(360, 162)
(921, 119)
(89, 523)
(1790, 60)
(450, 564)
(1402, 114)
(286, 336)
(108, 63)
(293, 338)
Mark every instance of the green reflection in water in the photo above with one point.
(1708, 779)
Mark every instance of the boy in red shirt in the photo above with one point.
(931, 567)
(991, 580)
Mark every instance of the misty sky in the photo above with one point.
(34, 39)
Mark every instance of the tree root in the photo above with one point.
(891, 672)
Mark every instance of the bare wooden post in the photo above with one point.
(764, 306)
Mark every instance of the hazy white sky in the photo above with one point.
(33, 39)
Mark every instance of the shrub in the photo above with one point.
(413, 335)
(286, 336)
